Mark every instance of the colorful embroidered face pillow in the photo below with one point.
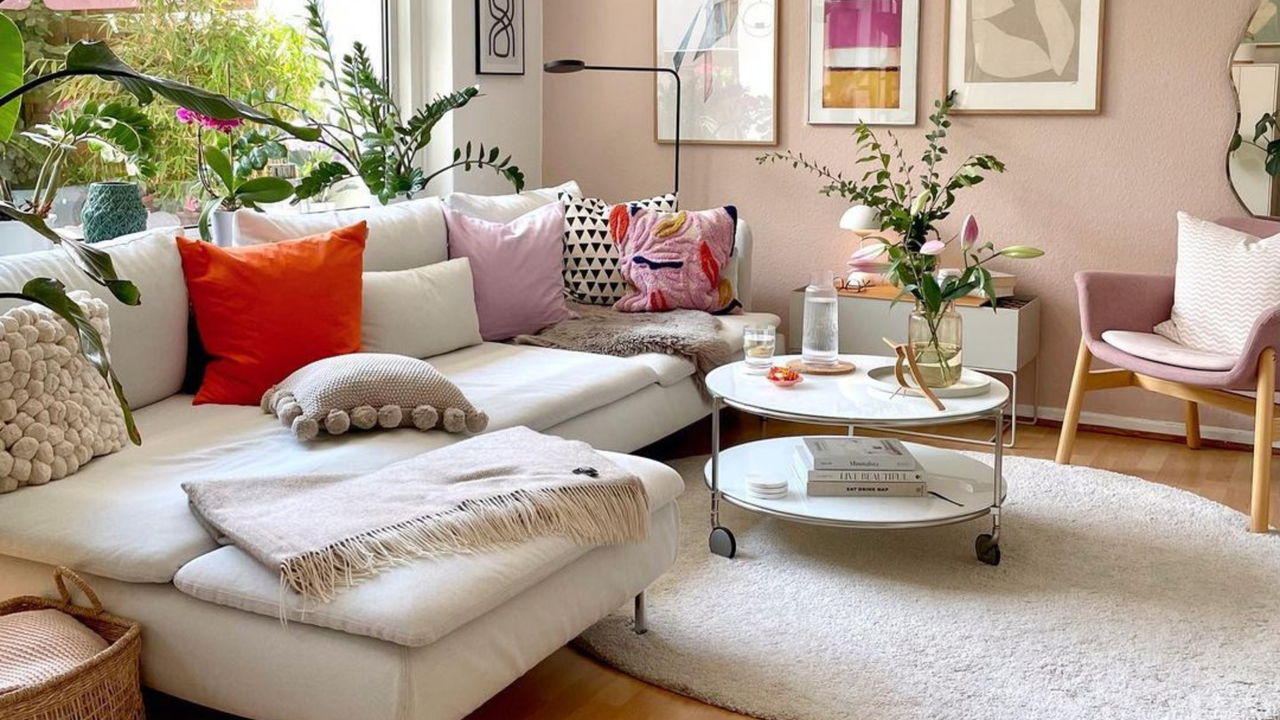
(675, 261)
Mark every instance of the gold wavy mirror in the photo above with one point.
(1254, 162)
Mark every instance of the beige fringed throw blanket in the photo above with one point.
(691, 334)
(325, 533)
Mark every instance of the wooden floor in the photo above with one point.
(571, 686)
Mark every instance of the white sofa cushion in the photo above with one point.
(401, 236)
(420, 313)
(419, 603)
(505, 208)
(126, 517)
(1160, 349)
(149, 341)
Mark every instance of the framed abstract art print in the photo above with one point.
(1024, 57)
(726, 53)
(863, 59)
(499, 37)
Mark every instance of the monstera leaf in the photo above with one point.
(11, 67)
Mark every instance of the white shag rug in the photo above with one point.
(1115, 598)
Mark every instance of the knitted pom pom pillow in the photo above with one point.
(367, 390)
(56, 411)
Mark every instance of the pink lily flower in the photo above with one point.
(969, 231)
(933, 247)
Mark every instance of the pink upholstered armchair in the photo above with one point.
(1117, 314)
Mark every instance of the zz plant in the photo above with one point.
(96, 59)
(372, 139)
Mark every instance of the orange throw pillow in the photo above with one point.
(264, 311)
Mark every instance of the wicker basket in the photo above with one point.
(107, 687)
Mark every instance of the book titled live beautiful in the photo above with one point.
(858, 483)
(854, 453)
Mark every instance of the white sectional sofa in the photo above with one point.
(432, 640)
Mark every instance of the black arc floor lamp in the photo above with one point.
(561, 67)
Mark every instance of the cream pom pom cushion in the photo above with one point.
(368, 390)
(56, 411)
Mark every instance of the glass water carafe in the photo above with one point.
(821, 344)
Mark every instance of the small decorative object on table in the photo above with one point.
(784, 377)
(910, 202)
(113, 209)
(759, 342)
(105, 687)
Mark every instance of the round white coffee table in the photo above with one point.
(959, 488)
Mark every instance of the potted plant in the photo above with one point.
(232, 177)
(372, 139)
(96, 59)
(910, 201)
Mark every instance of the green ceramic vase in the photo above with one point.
(113, 209)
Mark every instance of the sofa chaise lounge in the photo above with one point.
(431, 640)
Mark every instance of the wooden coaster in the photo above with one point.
(842, 367)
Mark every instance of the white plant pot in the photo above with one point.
(16, 238)
(223, 228)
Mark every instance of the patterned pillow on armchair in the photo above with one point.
(675, 261)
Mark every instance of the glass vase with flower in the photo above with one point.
(911, 200)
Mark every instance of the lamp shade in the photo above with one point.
(860, 218)
(560, 67)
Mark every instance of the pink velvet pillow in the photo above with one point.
(519, 281)
(675, 261)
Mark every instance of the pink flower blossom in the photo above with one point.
(969, 231)
(933, 247)
(187, 117)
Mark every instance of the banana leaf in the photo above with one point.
(11, 66)
(95, 58)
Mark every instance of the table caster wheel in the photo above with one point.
(988, 550)
(722, 542)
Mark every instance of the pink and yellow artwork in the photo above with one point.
(863, 54)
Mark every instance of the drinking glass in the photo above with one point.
(758, 345)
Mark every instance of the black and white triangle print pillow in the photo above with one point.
(591, 274)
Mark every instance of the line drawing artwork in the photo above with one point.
(502, 35)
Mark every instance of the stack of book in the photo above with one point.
(858, 467)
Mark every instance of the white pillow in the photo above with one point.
(505, 208)
(401, 236)
(420, 313)
(1225, 280)
(150, 351)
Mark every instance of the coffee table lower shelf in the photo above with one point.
(961, 489)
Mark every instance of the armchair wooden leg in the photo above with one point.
(1259, 509)
(1191, 412)
(1071, 418)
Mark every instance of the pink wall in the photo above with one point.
(1094, 192)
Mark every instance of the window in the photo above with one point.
(253, 50)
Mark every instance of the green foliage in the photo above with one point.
(117, 133)
(236, 189)
(197, 41)
(12, 61)
(369, 135)
(911, 199)
(1266, 124)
